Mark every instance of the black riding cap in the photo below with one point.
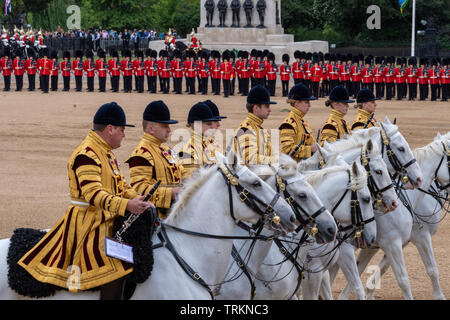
(259, 95)
(111, 113)
(301, 93)
(340, 94)
(157, 111)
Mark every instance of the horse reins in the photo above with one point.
(371, 183)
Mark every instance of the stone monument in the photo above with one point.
(247, 25)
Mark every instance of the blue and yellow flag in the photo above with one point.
(402, 4)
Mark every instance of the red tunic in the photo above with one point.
(399, 75)
(151, 67)
(344, 73)
(245, 70)
(411, 75)
(164, 69)
(285, 72)
(55, 69)
(77, 67)
(271, 71)
(177, 69)
(30, 66)
(113, 67)
(297, 70)
(45, 67)
(378, 75)
(226, 70)
(333, 72)
(126, 66)
(18, 66)
(367, 75)
(433, 76)
(316, 74)
(189, 67)
(101, 67)
(89, 68)
(388, 74)
(65, 68)
(6, 66)
(138, 68)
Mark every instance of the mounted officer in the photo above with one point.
(296, 137)
(152, 160)
(366, 105)
(99, 194)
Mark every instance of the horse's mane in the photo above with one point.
(191, 186)
(356, 182)
(357, 139)
(434, 146)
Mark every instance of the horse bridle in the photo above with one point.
(252, 201)
(358, 221)
(376, 192)
(399, 168)
(296, 207)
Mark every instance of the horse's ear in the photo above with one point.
(395, 121)
(233, 159)
(438, 136)
(386, 120)
(355, 169)
(220, 158)
(369, 145)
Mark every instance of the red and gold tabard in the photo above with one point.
(335, 128)
(99, 194)
(292, 131)
(197, 152)
(361, 119)
(252, 142)
(152, 161)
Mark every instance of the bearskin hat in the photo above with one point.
(285, 57)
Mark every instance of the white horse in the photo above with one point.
(310, 213)
(426, 213)
(204, 208)
(278, 280)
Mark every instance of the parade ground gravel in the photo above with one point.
(40, 131)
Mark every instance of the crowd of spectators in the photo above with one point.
(130, 38)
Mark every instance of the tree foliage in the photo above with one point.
(338, 21)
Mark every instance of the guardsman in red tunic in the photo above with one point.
(422, 77)
(245, 73)
(77, 66)
(215, 72)
(307, 70)
(66, 68)
(388, 75)
(55, 71)
(367, 74)
(190, 67)
(114, 70)
(151, 68)
(271, 70)
(177, 71)
(378, 78)
(203, 72)
(164, 71)
(89, 68)
(101, 68)
(126, 66)
(433, 77)
(333, 72)
(316, 76)
(325, 87)
(297, 73)
(139, 70)
(411, 78)
(258, 69)
(227, 72)
(285, 74)
(344, 74)
(45, 69)
(6, 66)
(30, 67)
(400, 77)
(355, 76)
(445, 79)
(18, 67)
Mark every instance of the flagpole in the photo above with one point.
(413, 32)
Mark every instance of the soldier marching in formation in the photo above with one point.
(387, 77)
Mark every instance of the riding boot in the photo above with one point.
(113, 290)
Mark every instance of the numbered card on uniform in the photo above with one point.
(118, 250)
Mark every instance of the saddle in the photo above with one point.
(139, 235)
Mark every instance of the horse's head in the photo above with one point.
(253, 197)
(399, 155)
(379, 181)
(442, 171)
(308, 208)
(344, 191)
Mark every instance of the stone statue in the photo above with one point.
(222, 7)
(248, 8)
(261, 8)
(209, 6)
(235, 7)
